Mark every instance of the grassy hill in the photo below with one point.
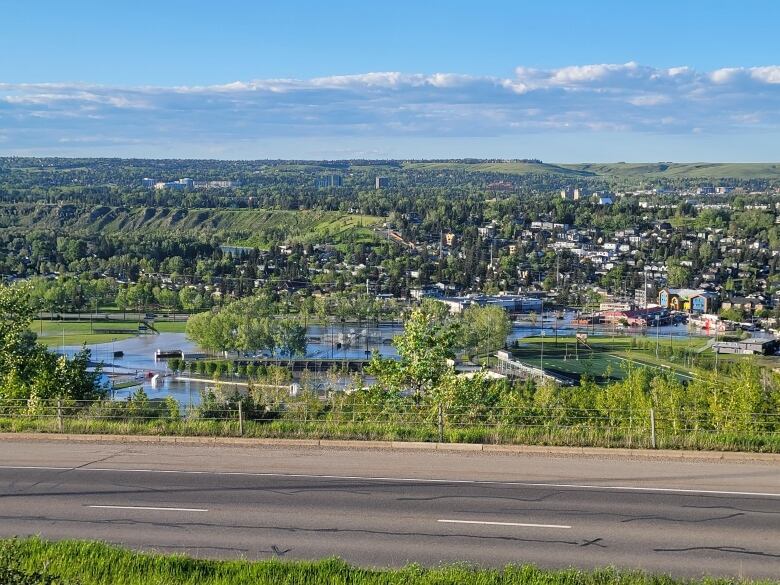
(237, 226)
(509, 168)
(616, 170)
(683, 170)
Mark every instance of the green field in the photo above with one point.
(606, 359)
(50, 333)
(170, 326)
(34, 561)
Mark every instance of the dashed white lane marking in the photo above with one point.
(155, 508)
(524, 524)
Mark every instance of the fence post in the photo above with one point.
(652, 427)
(59, 415)
(441, 423)
(240, 419)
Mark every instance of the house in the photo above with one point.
(487, 231)
(748, 304)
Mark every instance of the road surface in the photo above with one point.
(389, 507)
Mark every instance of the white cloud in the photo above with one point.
(597, 98)
(766, 74)
(649, 100)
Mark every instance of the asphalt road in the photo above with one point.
(387, 508)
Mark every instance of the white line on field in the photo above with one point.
(503, 523)
(150, 508)
(406, 480)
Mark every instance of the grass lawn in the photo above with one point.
(170, 326)
(50, 333)
(93, 563)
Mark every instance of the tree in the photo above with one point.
(190, 299)
(425, 346)
(289, 337)
(485, 329)
(17, 342)
(677, 275)
(29, 370)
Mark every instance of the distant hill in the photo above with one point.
(617, 170)
(683, 170)
(509, 168)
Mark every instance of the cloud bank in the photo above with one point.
(626, 98)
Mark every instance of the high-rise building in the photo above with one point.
(382, 182)
(147, 182)
(572, 194)
(328, 181)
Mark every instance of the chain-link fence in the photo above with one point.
(653, 428)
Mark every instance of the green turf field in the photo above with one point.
(50, 333)
(603, 358)
(57, 333)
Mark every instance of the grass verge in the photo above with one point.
(637, 437)
(94, 563)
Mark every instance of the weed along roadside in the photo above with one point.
(92, 563)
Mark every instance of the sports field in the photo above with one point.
(604, 358)
(57, 333)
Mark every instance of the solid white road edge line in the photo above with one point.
(443, 521)
(407, 480)
(149, 508)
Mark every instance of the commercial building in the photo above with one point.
(689, 300)
(510, 303)
(753, 346)
(187, 183)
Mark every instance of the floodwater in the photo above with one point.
(348, 340)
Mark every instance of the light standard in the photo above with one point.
(657, 326)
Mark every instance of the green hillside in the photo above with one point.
(607, 170)
(509, 168)
(248, 226)
(683, 170)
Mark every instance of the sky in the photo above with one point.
(564, 81)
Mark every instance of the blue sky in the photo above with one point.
(563, 81)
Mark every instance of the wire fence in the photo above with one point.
(652, 428)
